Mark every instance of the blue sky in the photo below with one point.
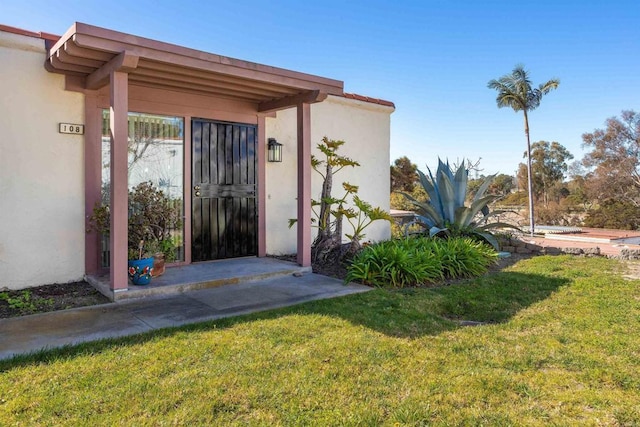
(433, 59)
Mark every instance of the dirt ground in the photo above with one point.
(59, 296)
(632, 271)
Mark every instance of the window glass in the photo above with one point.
(156, 156)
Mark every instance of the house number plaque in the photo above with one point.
(71, 128)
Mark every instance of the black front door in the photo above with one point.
(224, 219)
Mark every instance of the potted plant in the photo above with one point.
(163, 250)
(152, 217)
(140, 269)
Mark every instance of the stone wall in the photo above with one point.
(517, 246)
(629, 254)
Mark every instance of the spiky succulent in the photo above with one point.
(445, 211)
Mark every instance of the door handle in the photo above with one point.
(197, 194)
(197, 187)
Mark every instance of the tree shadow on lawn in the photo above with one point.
(415, 312)
(403, 313)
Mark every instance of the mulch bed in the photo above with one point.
(331, 268)
(41, 299)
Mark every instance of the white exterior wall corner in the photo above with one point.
(41, 171)
(366, 128)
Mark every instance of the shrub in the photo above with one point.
(419, 261)
(153, 216)
(519, 198)
(464, 257)
(614, 214)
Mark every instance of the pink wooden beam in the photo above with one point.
(92, 179)
(304, 184)
(310, 97)
(125, 62)
(118, 130)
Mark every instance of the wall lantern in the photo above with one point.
(275, 150)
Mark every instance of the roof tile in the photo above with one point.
(368, 99)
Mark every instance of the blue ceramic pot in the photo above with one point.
(140, 270)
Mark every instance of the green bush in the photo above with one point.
(614, 214)
(464, 257)
(419, 261)
(519, 198)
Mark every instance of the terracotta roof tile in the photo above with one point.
(368, 99)
(39, 34)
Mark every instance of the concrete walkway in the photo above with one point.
(49, 330)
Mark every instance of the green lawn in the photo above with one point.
(561, 347)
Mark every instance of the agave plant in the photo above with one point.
(445, 212)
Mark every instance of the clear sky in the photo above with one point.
(432, 58)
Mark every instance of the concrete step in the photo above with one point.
(202, 275)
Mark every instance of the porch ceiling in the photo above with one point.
(93, 52)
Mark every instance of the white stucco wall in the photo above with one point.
(41, 170)
(365, 127)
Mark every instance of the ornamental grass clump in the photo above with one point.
(395, 263)
(419, 261)
(464, 257)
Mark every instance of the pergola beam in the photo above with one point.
(124, 62)
(310, 97)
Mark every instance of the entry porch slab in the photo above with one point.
(201, 276)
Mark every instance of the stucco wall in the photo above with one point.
(365, 127)
(41, 170)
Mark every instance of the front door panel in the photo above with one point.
(224, 219)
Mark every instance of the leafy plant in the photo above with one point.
(24, 302)
(464, 257)
(445, 212)
(395, 263)
(152, 217)
(330, 211)
(419, 261)
(360, 218)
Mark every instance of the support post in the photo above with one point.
(118, 204)
(187, 190)
(92, 180)
(304, 184)
(262, 186)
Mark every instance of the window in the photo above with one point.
(156, 155)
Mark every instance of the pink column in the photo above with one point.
(262, 187)
(92, 179)
(118, 130)
(304, 184)
(186, 194)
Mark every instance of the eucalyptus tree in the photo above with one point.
(515, 91)
(615, 159)
(549, 164)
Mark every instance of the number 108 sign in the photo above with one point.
(71, 128)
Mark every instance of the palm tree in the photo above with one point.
(515, 91)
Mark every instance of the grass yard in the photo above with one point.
(561, 346)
